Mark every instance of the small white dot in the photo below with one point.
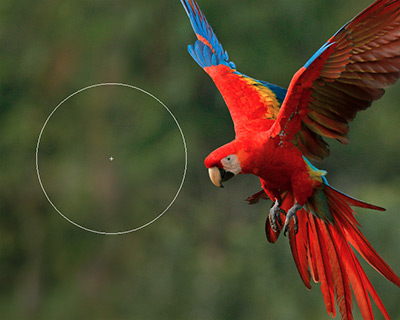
(111, 158)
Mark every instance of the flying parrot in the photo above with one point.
(277, 132)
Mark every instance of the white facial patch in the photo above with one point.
(231, 163)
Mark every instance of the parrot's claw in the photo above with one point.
(275, 216)
(291, 214)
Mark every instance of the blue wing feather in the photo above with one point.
(279, 92)
(318, 53)
(209, 52)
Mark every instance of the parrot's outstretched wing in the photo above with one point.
(343, 77)
(262, 99)
(207, 51)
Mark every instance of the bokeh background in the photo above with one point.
(207, 257)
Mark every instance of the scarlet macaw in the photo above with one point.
(278, 130)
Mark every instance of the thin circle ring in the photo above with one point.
(37, 158)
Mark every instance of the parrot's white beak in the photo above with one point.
(218, 175)
(215, 176)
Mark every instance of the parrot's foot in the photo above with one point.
(275, 216)
(291, 214)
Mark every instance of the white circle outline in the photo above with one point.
(37, 158)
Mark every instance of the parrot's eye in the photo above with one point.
(231, 163)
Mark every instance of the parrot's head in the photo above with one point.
(223, 164)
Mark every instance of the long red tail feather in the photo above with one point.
(325, 251)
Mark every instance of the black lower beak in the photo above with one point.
(225, 175)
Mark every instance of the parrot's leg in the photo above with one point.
(275, 214)
(291, 214)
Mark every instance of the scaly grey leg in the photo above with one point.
(275, 214)
(291, 214)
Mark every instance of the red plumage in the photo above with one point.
(325, 250)
(278, 131)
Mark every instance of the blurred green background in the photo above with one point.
(207, 257)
